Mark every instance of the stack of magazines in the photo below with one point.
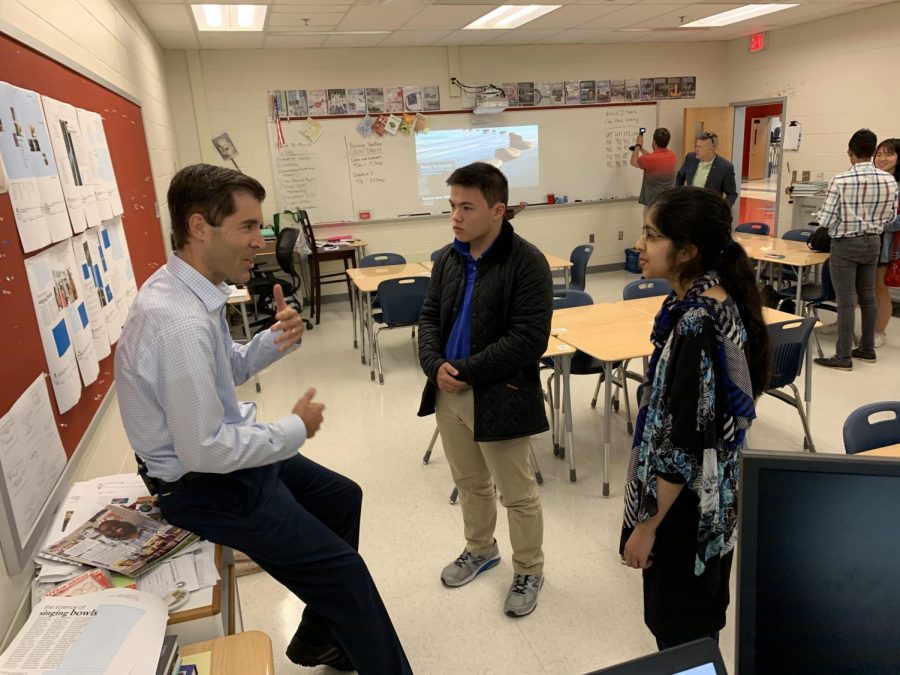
(809, 188)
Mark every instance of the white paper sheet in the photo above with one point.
(75, 163)
(110, 632)
(63, 320)
(84, 248)
(32, 457)
(30, 170)
(118, 259)
(109, 202)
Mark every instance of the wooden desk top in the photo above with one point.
(247, 653)
(888, 451)
(427, 265)
(239, 296)
(769, 249)
(367, 279)
(613, 341)
(650, 306)
(590, 316)
(556, 262)
(556, 347)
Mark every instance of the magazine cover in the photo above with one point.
(588, 89)
(423, 123)
(646, 88)
(296, 102)
(86, 582)
(661, 87)
(688, 86)
(311, 128)
(365, 125)
(412, 98)
(356, 101)
(431, 97)
(393, 99)
(276, 101)
(557, 94)
(392, 125)
(526, 93)
(603, 95)
(123, 541)
(380, 125)
(374, 100)
(632, 90)
(337, 101)
(617, 91)
(674, 87)
(318, 102)
(511, 91)
(407, 122)
(573, 92)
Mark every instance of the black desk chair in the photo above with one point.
(261, 286)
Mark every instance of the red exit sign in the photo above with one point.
(757, 42)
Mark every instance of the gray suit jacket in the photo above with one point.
(720, 179)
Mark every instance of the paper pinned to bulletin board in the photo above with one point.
(792, 135)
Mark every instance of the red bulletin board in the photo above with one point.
(21, 352)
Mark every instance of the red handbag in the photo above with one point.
(892, 276)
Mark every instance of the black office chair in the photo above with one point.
(262, 284)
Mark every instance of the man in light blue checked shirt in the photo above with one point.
(217, 471)
(858, 204)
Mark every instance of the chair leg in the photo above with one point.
(623, 375)
(377, 352)
(454, 495)
(596, 392)
(799, 405)
(427, 456)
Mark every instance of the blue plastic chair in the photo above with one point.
(578, 272)
(401, 303)
(379, 259)
(789, 341)
(753, 228)
(436, 254)
(646, 288)
(860, 433)
(787, 273)
(814, 297)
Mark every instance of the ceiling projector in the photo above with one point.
(490, 103)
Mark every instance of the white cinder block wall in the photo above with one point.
(107, 38)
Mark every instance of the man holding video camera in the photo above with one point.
(658, 166)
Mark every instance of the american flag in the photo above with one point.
(279, 132)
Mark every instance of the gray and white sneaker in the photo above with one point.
(467, 566)
(523, 594)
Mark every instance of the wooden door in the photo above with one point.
(717, 120)
(758, 149)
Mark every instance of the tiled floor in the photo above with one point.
(590, 609)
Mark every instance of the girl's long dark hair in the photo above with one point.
(700, 217)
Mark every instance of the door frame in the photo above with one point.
(737, 147)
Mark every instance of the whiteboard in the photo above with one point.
(580, 152)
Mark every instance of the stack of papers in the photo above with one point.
(809, 188)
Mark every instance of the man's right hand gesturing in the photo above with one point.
(310, 412)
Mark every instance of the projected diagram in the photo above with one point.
(514, 150)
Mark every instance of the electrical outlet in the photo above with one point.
(621, 235)
(591, 238)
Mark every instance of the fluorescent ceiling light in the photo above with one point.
(510, 16)
(229, 17)
(735, 15)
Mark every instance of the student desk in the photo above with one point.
(782, 252)
(887, 451)
(609, 332)
(561, 413)
(247, 653)
(365, 282)
(555, 263)
(209, 612)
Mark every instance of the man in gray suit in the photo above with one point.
(704, 168)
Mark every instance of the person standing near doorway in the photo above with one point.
(705, 168)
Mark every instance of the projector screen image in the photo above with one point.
(513, 150)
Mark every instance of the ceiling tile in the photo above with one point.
(354, 40)
(231, 40)
(523, 36)
(166, 17)
(313, 21)
(379, 17)
(470, 37)
(435, 17)
(294, 41)
(573, 16)
(573, 36)
(690, 13)
(626, 17)
(177, 39)
(413, 38)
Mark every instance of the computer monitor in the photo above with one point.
(818, 564)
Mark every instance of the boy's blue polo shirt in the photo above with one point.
(459, 344)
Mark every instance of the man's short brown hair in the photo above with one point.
(661, 137)
(207, 190)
